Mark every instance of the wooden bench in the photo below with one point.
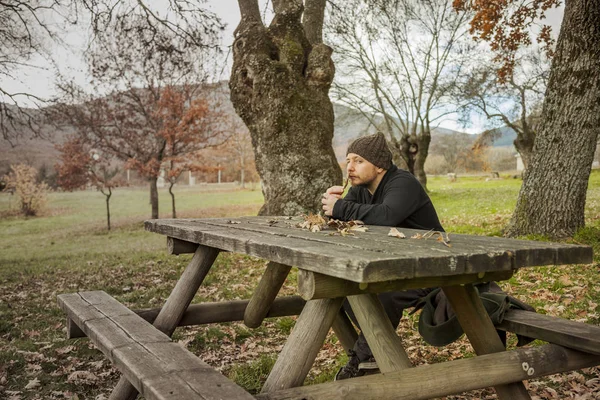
(571, 334)
(157, 367)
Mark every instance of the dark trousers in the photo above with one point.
(394, 303)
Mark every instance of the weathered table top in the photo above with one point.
(370, 256)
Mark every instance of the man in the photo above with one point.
(381, 194)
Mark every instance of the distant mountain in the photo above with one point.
(349, 124)
(506, 136)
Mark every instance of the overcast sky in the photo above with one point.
(39, 80)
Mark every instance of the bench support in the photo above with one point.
(481, 332)
(443, 379)
(171, 313)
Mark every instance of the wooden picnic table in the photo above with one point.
(333, 267)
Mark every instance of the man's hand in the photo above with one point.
(332, 195)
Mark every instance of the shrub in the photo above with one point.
(32, 195)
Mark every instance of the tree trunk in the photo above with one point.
(423, 141)
(154, 197)
(172, 199)
(552, 199)
(413, 151)
(108, 207)
(524, 145)
(279, 87)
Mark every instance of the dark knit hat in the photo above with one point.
(374, 149)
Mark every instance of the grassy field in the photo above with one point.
(68, 249)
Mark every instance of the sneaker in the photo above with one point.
(350, 370)
(369, 366)
(355, 367)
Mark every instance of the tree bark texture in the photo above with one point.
(154, 197)
(552, 199)
(279, 87)
(411, 154)
(524, 145)
(108, 208)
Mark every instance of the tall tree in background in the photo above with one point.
(398, 59)
(514, 101)
(279, 84)
(30, 29)
(155, 110)
(552, 199)
(80, 165)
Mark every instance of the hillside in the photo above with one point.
(349, 124)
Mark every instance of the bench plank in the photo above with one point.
(575, 335)
(443, 379)
(157, 367)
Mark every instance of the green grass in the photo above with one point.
(68, 249)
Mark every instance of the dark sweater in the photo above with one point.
(399, 200)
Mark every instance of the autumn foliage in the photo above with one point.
(506, 25)
(32, 195)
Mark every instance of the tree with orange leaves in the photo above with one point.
(81, 165)
(552, 199)
(157, 110)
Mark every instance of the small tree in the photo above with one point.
(81, 166)
(32, 195)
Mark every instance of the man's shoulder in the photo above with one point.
(402, 177)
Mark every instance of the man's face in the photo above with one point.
(360, 171)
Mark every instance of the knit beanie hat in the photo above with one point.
(374, 149)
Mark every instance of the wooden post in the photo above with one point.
(344, 330)
(481, 332)
(379, 332)
(312, 285)
(178, 246)
(301, 348)
(265, 293)
(178, 301)
(446, 378)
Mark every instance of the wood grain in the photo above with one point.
(379, 332)
(369, 256)
(143, 354)
(300, 350)
(575, 335)
(481, 332)
(443, 379)
(265, 293)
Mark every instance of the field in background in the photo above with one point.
(68, 249)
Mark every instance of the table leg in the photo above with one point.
(265, 293)
(300, 350)
(379, 332)
(481, 332)
(175, 306)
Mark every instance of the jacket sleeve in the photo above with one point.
(400, 200)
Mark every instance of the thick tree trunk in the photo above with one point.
(279, 87)
(154, 197)
(552, 199)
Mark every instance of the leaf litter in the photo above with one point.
(317, 223)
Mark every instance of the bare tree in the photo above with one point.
(515, 101)
(279, 84)
(30, 28)
(398, 59)
(155, 111)
(454, 148)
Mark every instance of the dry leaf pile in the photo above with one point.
(317, 223)
(440, 236)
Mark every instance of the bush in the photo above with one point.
(22, 180)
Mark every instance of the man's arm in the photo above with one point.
(400, 200)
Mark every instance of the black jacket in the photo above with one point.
(399, 200)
